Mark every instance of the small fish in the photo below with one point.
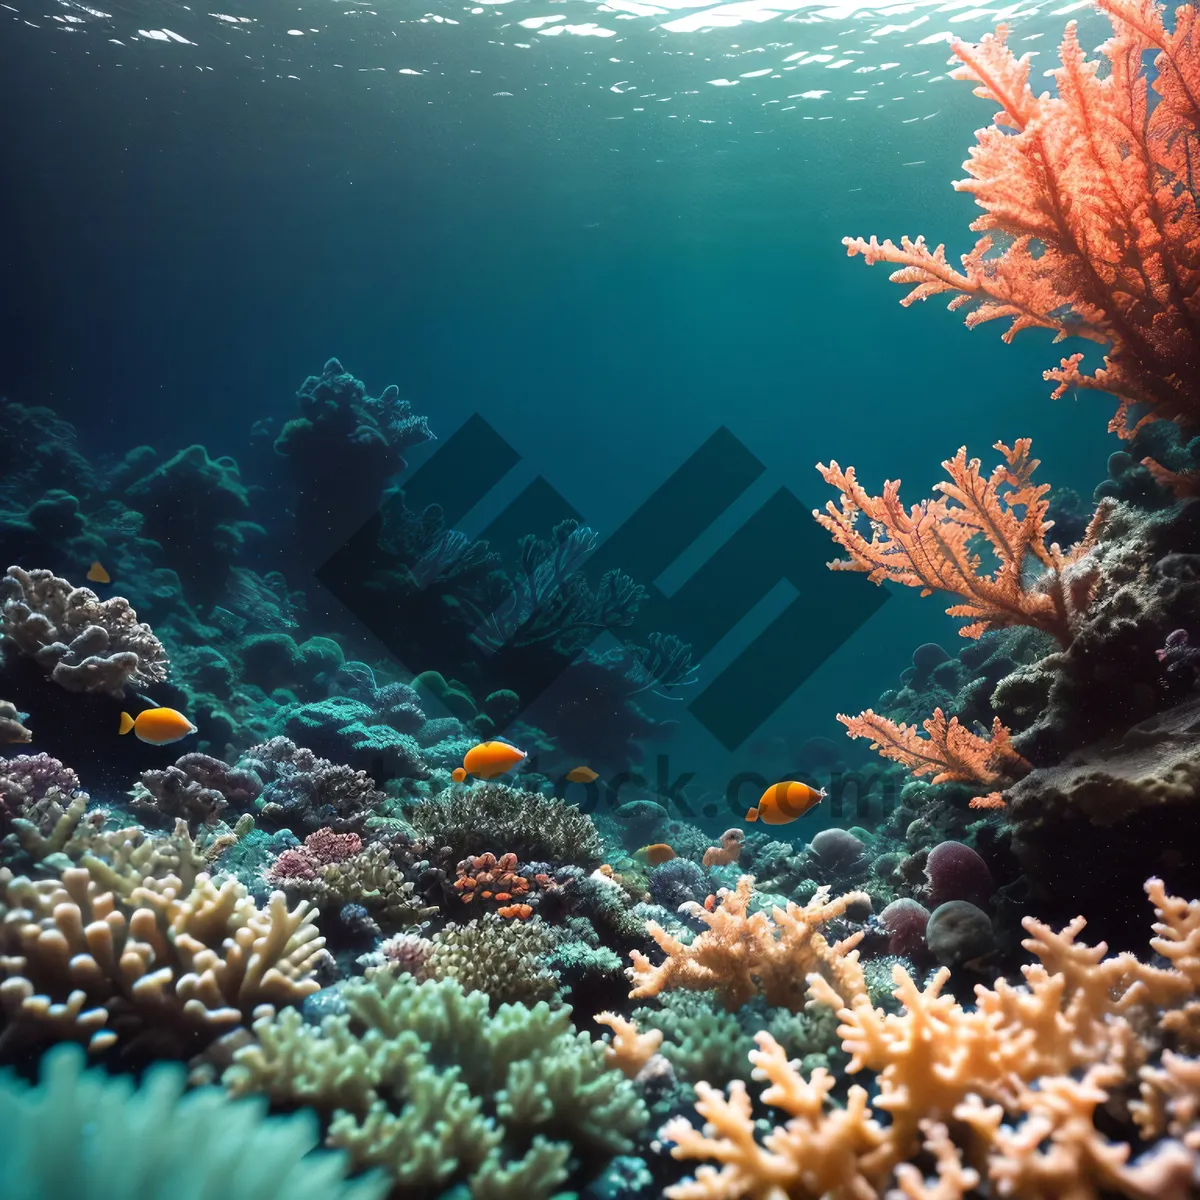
(784, 802)
(655, 855)
(458, 774)
(490, 759)
(97, 574)
(582, 775)
(157, 726)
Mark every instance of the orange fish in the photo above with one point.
(490, 759)
(458, 774)
(656, 855)
(97, 574)
(784, 802)
(582, 775)
(157, 726)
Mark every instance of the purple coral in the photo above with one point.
(1180, 659)
(197, 789)
(36, 788)
(305, 792)
(905, 921)
(27, 778)
(956, 872)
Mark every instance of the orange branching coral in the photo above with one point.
(951, 752)
(1023, 1075)
(1181, 484)
(743, 954)
(932, 546)
(1090, 224)
(629, 1050)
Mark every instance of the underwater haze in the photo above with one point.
(426, 704)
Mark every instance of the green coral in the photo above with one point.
(422, 1080)
(699, 1041)
(493, 816)
(81, 1133)
(500, 957)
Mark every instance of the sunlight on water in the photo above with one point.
(805, 57)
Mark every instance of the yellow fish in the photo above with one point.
(784, 802)
(157, 726)
(458, 774)
(582, 775)
(97, 574)
(490, 759)
(656, 855)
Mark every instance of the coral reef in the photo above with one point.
(423, 1080)
(1024, 1075)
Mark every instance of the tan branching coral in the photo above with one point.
(1008, 1091)
(932, 546)
(167, 964)
(744, 954)
(628, 1050)
(821, 1151)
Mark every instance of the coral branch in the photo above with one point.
(951, 752)
(932, 546)
(1090, 225)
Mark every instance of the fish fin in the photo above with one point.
(126, 723)
(752, 815)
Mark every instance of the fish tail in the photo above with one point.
(126, 723)
(752, 815)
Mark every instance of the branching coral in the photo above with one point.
(743, 954)
(424, 1082)
(629, 1050)
(1090, 222)
(932, 545)
(86, 644)
(84, 1133)
(163, 965)
(951, 752)
(1023, 1074)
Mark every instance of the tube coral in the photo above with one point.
(1090, 225)
(932, 545)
